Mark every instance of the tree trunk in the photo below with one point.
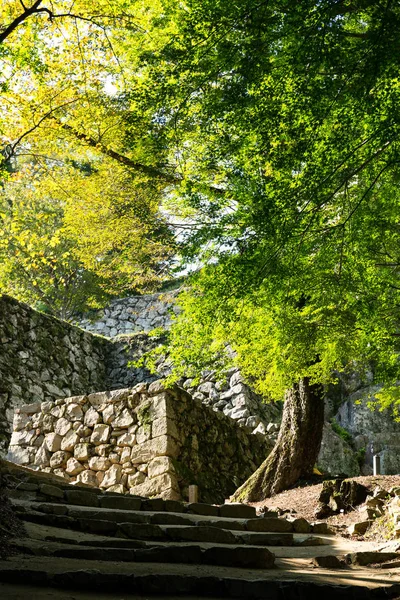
(297, 447)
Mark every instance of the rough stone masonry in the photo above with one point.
(43, 358)
(146, 441)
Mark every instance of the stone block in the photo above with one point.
(362, 559)
(164, 426)
(328, 562)
(269, 525)
(249, 558)
(143, 531)
(127, 439)
(117, 488)
(18, 455)
(20, 421)
(51, 490)
(156, 486)
(108, 414)
(143, 434)
(100, 435)
(59, 459)
(99, 400)
(42, 457)
(74, 412)
(119, 395)
(30, 409)
(136, 479)
(82, 452)
(204, 533)
(76, 400)
(124, 420)
(153, 504)
(161, 405)
(46, 407)
(92, 417)
(175, 506)
(359, 528)
(300, 525)
(62, 426)
(22, 438)
(124, 503)
(52, 442)
(88, 478)
(99, 463)
(160, 446)
(200, 508)
(237, 511)
(82, 498)
(112, 476)
(160, 465)
(73, 467)
(69, 441)
(320, 527)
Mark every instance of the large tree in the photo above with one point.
(292, 110)
(73, 138)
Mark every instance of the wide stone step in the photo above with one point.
(38, 487)
(250, 557)
(149, 531)
(189, 580)
(261, 525)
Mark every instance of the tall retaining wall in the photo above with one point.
(233, 397)
(133, 315)
(145, 441)
(42, 358)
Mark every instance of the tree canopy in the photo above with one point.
(73, 138)
(268, 134)
(292, 111)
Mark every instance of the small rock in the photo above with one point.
(363, 559)
(69, 441)
(328, 562)
(59, 459)
(74, 467)
(92, 417)
(88, 478)
(53, 442)
(100, 434)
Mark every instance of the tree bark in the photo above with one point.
(297, 447)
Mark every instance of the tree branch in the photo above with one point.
(153, 172)
(12, 147)
(20, 19)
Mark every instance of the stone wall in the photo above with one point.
(133, 315)
(145, 441)
(232, 397)
(373, 431)
(42, 358)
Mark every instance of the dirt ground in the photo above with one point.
(22, 592)
(10, 526)
(302, 501)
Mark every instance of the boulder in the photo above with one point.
(359, 528)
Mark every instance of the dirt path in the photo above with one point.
(303, 501)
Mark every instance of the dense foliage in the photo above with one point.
(267, 131)
(77, 147)
(293, 112)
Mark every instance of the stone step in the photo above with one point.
(260, 525)
(150, 579)
(114, 527)
(37, 486)
(251, 557)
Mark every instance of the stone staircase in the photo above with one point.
(83, 538)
